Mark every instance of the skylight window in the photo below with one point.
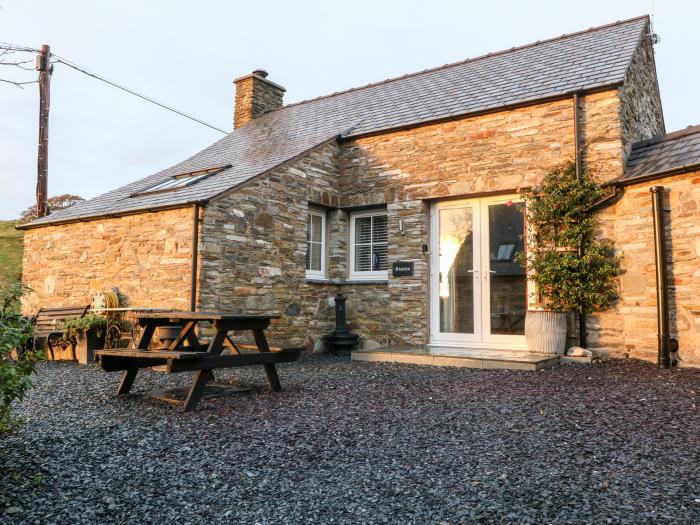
(181, 180)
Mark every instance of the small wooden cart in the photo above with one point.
(188, 353)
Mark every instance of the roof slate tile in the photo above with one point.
(590, 59)
(660, 154)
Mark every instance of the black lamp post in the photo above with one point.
(341, 340)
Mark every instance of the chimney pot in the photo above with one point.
(260, 72)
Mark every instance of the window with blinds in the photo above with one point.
(315, 244)
(370, 243)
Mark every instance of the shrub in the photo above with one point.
(72, 327)
(560, 221)
(17, 359)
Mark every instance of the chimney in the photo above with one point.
(255, 96)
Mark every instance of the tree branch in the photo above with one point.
(18, 64)
(19, 84)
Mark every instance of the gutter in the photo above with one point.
(607, 200)
(678, 170)
(114, 215)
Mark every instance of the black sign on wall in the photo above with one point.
(402, 269)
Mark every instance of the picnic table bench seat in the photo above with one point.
(181, 361)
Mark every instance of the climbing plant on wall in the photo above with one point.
(573, 270)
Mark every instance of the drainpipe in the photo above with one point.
(657, 203)
(582, 339)
(195, 247)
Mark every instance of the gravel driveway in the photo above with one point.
(352, 442)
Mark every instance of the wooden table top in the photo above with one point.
(202, 316)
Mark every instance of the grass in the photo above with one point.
(11, 247)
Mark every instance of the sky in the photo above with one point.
(186, 54)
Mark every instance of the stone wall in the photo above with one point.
(601, 138)
(640, 101)
(253, 247)
(253, 253)
(630, 328)
(147, 256)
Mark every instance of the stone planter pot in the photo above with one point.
(545, 332)
(86, 343)
(166, 335)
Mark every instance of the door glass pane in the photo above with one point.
(508, 286)
(456, 282)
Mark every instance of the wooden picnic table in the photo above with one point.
(188, 353)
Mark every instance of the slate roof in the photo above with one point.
(673, 151)
(591, 59)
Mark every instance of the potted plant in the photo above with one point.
(86, 334)
(571, 268)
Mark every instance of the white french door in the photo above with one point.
(478, 291)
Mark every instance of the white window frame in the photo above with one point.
(379, 275)
(317, 274)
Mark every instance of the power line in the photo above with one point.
(12, 48)
(135, 93)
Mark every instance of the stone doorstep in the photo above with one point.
(505, 361)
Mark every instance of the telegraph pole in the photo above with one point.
(43, 65)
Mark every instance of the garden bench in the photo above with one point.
(188, 353)
(47, 322)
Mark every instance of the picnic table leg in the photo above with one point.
(130, 373)
(201, 378)
(146, 337)
(127, 380)
(270, 370)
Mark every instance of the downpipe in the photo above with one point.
(582, 336)
(665, 343)
(195, 256)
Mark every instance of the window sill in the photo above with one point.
(342, 282)
(366, 281)
(318, 280)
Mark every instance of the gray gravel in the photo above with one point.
(346, 442)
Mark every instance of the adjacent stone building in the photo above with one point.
(306, 200)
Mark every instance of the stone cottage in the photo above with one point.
(420, 172)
